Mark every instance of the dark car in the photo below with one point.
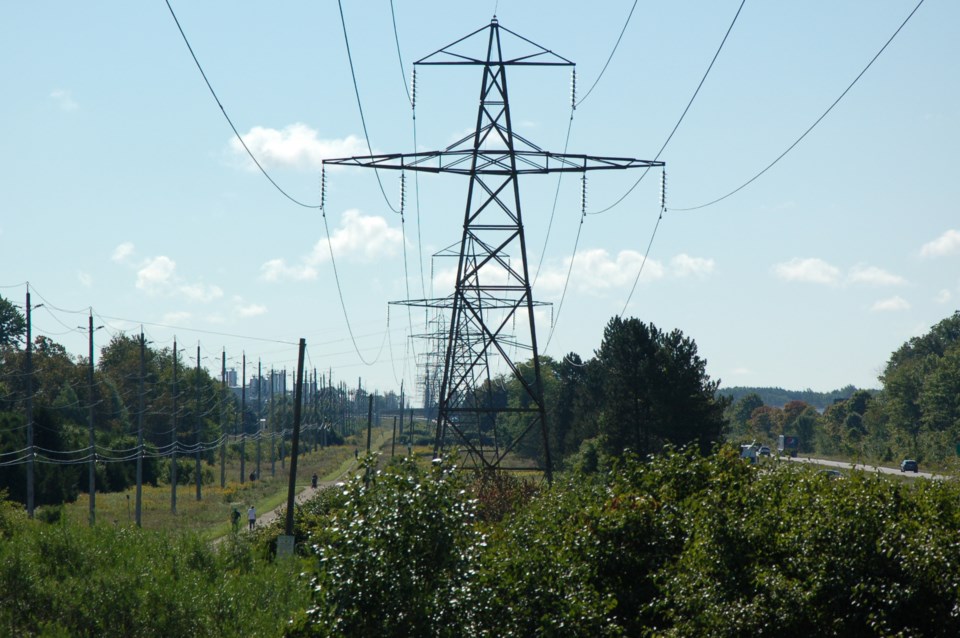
(909, 465)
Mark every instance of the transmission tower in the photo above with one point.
(492, 308)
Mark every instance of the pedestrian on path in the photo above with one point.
(252, 517)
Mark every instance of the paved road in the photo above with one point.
(844, 465)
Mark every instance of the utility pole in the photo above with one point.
(92, 466)
(294, 444)
(369, 420)
(29, 379)
(273, 426)
(283, 422)
(176, 441)
(259, 414)
(243, 422)
(223, 425)
(492, 290)
(197, 427)
(140, 409)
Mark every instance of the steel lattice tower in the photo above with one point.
(492, 307)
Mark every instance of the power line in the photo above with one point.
(610, 57)
(682, 115)
(812, 126)
(356, 90)
(227, 117)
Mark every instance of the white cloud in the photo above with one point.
(64, 100)
(294, 146)
(945, 244)
(277, 269)
(174, 318)
(84, 278)
(810, 270)
(200, 292)
(595, 270)
(943, 296)
(156, 275)
(359, 238)
(251, 310)
(122, 252)
(684, 265)
(893, 304)
(874, 276)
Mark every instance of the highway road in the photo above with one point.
(844, 465)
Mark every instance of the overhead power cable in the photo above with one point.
(229, 121)
(812, 126)
(363, 120)
(682, 115)
(610, 57)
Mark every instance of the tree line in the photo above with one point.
(915, 414)
(137, 388)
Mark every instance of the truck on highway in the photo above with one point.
(788, 445)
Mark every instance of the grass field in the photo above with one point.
(210, 516)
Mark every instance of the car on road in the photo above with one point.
(831, 474)
(764, 450)
(909, 465)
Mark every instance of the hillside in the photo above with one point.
(778, 397)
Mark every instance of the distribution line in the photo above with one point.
(812, 126)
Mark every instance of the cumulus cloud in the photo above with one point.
(294, 146)
(251, 310)
(64, 100)
(174, 318)
(684, 265)
(943, 296)
(360, 238)
(874, 276)
(945, 244)
(810, 270)
(122, 252)
(892, 304)
(158, 276)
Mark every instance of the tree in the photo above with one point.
(655, 389)
(12, 324)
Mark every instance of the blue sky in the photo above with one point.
(124, 190)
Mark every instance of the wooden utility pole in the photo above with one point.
(197, 427)
(369, 420)
(259, 413)
(223, 424)
(140, 410)
(273, 426)
(175, 439)
(29, 380)
(92, 465)
(243, 421)
(295, 442)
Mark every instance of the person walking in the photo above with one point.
(252, 517)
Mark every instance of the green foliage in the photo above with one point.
(655, 389)
(395, 557)
(12, 324)
(117, 581)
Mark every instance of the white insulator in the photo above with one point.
(323, 185)
(663, 190)
(573, 88)
(583, 194)
(413, 89)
